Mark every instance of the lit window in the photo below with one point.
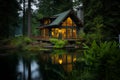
(47, 21)
(68, 22)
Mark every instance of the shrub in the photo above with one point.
(27, 40)
(102, 60)
(20, 41)
(58, 43)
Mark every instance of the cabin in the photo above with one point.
(65, 26)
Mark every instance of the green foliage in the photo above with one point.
(20, 42)
(58, 43)
(73, 75)
(96, 32)
(111, 19)
(27, 40)
(102, 61)
(81, 34)
(51, 7)
(35, 23)
(81, 37)
(100, 16)
(59, 51)
(25, 44)
(33, 48)
(96, 52)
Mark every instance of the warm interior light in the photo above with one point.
(60, 30)
(47, 21)
(69, 21)
(56, 32)
(60, 61)
(74, 30)
(74, 59)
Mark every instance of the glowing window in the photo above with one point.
(47, 21)
(68, 22)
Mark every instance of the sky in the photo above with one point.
(33, 6)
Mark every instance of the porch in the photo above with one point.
(47, 38)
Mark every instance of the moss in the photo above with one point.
(34, 48)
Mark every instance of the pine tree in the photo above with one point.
(8, 17)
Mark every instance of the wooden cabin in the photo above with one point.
(65, 25)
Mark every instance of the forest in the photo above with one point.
(99, 16)
(99, 38)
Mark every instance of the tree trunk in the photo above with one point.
(29, 70)
(24, 27)
(29, 18)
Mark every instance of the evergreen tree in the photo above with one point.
(27, 17)
(51, 7)
(102, 15)
(111, 14)
(8, 17)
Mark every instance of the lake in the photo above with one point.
(43, 65)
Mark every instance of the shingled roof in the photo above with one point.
(60, 17)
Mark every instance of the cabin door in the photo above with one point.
(59, 33)
(62, 33)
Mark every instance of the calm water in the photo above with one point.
(44, 65)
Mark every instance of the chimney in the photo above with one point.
(80, 12)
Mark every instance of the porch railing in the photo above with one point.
(47, 38)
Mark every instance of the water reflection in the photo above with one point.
(35, 74)
(37, 66)
(7, 66)
(66, 60)
(23, 70)
(61, 57)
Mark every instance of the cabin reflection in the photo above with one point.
(65, 59)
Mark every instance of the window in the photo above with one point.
(68, 22)
(69, 33)
(47, 21)
(74, 33)
(56, 33)
(44, 32)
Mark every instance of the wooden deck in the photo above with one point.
(42, 38)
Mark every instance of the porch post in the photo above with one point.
(72, 31)
(50, 33)
(77, 29)
(66, 32)
(60, 34)
(44, 33)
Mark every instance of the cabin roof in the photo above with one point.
(60, 17)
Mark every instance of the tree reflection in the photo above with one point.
(8, 64)
(28, 68)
